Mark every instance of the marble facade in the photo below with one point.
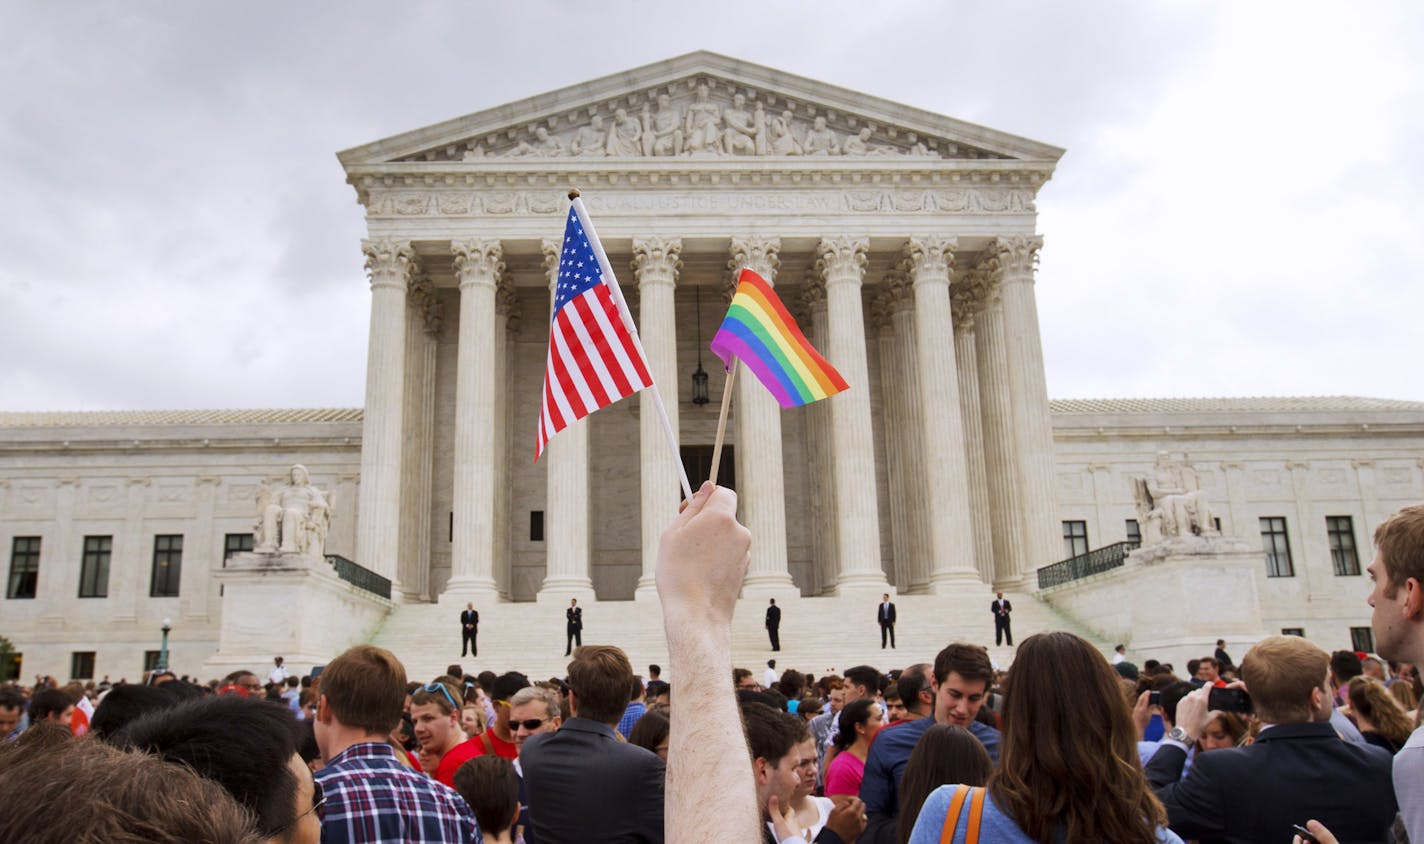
(906, 245)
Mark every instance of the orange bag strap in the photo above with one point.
(951, 818)
(976, 815)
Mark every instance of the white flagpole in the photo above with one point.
(612, 281)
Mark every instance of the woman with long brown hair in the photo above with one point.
(1378, 715)
(944, 755)
(1068, 768)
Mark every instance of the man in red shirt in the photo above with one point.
(435, 711)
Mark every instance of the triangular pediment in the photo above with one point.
(700, 105)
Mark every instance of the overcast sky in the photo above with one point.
(1238, 212)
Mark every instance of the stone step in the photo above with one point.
(818, 635)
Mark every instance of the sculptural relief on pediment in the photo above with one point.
(701, 117)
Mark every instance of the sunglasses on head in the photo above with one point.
(440, 687)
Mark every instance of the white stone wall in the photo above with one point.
(134, 484)
(1304, 471)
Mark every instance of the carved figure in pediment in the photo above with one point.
(662, 132)
(859, 144)
(821, 140)
(742, 129)
(704, 123)
(591, 140)
(292, 519)
(782, 140)
(625, 136)
(544, 145)
(473, 152)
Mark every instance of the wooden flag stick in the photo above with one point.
(722, 421)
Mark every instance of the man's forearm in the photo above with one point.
(709, 779)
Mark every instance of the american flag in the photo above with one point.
(595, 358)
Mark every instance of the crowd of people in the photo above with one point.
(1292, 743)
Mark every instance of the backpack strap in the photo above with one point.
(976, 815)
(975, 796)
(489, 745)
(951, 817)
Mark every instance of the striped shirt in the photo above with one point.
(372, 797)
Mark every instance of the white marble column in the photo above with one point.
(1033, 426)
(996, 405)
(966, 364)
(57, 576)
(818, 447)
(508, 317)
(951, 532)
(656, 262)
(478, 265)
(566, 516)
(761, 481)
(390, 264)
(893, 319)
(841, 261)
(423, 325)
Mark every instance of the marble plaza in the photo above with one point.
(906, 245)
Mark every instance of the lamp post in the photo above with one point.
(699, 378)
(163, 649)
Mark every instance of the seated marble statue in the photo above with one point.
(1174, 500)
(293, 519)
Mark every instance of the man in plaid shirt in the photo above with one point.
(370, 795)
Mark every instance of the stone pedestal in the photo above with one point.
(292, 606)
(1172, 601)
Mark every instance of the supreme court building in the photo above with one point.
(905, 243)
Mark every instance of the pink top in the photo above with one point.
(845, 774)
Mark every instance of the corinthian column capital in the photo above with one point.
(478, 261)
(389, 262)
(929, 259)
(656, 260)
(842, 259)
(1016, 257)
(760, 253)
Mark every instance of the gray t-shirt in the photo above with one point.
(1409, 784)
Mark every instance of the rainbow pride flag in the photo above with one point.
(758, 331)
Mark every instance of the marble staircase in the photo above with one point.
(817, 634)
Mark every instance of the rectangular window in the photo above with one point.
(236, 543)
(150, 660)
(536, 525)
(1075, 538)
(1341, 530)
(1293, 631)
(167, 565)
(94, 568)
(24, 567)
(81, 665)
(12, 667)
(1362, 639)
(1277, 547)
(1134, 531)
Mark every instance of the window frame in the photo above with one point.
(77, 661)
(23, 584)
(1276, 552)
(95, 563)
(1074, 531)
(167, 560)
(1340, 533)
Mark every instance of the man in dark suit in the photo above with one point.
(1001, 609)
(773, 625)
(583, 783)
(1298, 768)
(469, 629)
(573, 626)
(886, 617)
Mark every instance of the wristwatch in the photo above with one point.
(1181, 735)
